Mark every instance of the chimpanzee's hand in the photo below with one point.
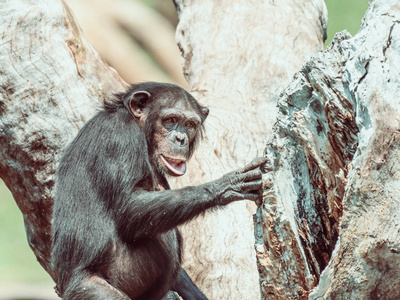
(241, 184)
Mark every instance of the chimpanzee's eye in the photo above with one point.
(170, 120)
(190, 125)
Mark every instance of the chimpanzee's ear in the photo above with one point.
(138, 102)
(205, 112)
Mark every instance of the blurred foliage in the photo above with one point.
(344, 15)
(17, 262)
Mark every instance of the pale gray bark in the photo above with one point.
(238, 56)
(236, 59)
(132, 38)
(51, 80)
(366, 261)
(334, 171)
(333, 154)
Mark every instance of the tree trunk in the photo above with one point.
(333, 176)
(237, 58)
(333, 154)
(51, 82)
(140, 43)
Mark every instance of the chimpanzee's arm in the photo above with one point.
(148, 213)
(186, 288)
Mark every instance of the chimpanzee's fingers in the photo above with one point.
(251, 196)
(252, 185)
(230, 196)
(251, 175)
(255, 163)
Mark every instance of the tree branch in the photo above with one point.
(51, 80)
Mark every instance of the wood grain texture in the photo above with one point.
(366, 261)
(237, 58)
(51, 81)
(132, 38)
(332, 183)
(314, 141)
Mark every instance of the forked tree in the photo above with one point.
(327, 121)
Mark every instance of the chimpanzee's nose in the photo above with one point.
(181, 138)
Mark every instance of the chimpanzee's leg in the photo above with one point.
(186, 288)
(92, 288)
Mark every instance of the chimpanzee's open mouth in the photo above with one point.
(176, 166)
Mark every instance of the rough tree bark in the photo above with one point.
(332, 151)
(237, 58)
(51, 80)
(333, 179)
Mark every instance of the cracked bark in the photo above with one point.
(332, 183)
(237, 60)
(333, 173)
(51, 81)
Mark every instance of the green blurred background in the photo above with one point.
(17, 262)
(344, 15)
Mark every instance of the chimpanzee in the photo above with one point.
(115, 217)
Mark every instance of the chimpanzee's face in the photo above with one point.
(171, 120)
(174, 133)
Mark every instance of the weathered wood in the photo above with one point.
(237, 58)
(366, 262)
(335, 151)
(132, 38)
(49, 65)
(314, 141)
(333, 168)
(51, 80)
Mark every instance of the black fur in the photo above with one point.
(114, 230)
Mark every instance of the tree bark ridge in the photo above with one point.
(236, 60)
(51, 80)
(366, 262)
(335, 130)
